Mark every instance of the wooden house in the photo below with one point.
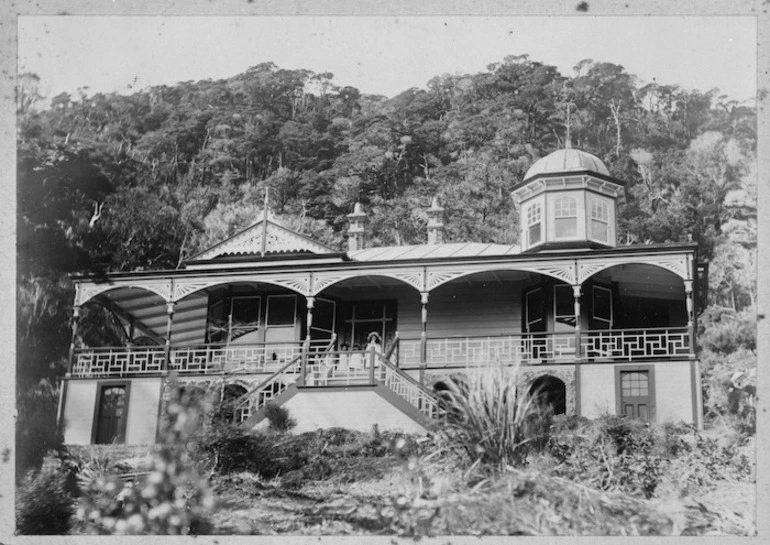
(271, 315)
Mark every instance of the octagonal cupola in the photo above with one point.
(566, 200)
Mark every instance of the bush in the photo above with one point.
(43, 505)
(493, 422)
(279, 418)
(617, 453)
(173, 500)
(36, 428)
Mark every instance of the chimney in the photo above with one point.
(357, 231)
(435, 223)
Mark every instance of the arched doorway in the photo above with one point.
(550, 392)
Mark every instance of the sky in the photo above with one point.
(380, 55)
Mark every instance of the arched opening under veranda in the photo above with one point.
(550, 393)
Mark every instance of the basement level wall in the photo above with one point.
(354, 409)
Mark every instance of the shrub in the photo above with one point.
(494, 422)
(279, 418)
(43, 505)
(173, 499)
(36, 429)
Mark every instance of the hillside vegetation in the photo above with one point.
(110, 182)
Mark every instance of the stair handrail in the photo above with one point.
(422, 391)
(393, 348)
(238, 403)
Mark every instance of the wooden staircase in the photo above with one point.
(334, 389)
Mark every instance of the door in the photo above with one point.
(111, 415)
(535, 343)
(636, 398)
(281, 319)
(601, 344)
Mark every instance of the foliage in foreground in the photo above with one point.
(615, 453)
(317, 455)
(43, 504)
(172, 500)
(492, 421)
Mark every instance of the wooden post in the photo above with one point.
(690, 319)
(423, 335)
(576, 294)
(169, 323)
(73, 340)
(306, 345)
(372, 357)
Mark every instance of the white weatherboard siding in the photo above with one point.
(673, 391)
(354, 410)
(459, 309)
(597, 390)
(142, 423)
(79, 411)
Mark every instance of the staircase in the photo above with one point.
(337, 388)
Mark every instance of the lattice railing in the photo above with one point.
(409, 389)
(633, 344)
(270, 388)
(117, 362)
(207, 359)
(628, 344)
(251, 358)
(474, 351)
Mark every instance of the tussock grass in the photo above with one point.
(492, 420)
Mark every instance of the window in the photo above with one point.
(281, 310)
(635, 392)
(110, 417)
(534, 308)
(534, 222)
(601, 303)
(600, 220)
(362, 318)
(324, 319)
(230, 317)
(244, 315)
(565, 217)
(563, 308)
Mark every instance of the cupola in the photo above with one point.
(568, 199)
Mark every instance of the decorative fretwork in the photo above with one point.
(561, 270)
(481, 351)
(118, 362)
(635, 344)
(413, 277)
(677, 264)
(88, 291)
(299, 283)
(277, 239)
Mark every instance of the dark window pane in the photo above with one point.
(602, 304)
(281, 310)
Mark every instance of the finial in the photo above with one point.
(568, 138)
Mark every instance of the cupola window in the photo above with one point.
(565, 217)
(600, 220)
(534, 223)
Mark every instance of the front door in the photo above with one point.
(636, 400)
(111, 415)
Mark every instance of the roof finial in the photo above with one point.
(263, 249)
(568, 139)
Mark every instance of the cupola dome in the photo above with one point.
(567, 160)
(568, 199)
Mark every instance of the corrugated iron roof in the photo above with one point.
(434, 251)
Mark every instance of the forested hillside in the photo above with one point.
(113, 182)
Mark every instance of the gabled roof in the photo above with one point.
(265, 236)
